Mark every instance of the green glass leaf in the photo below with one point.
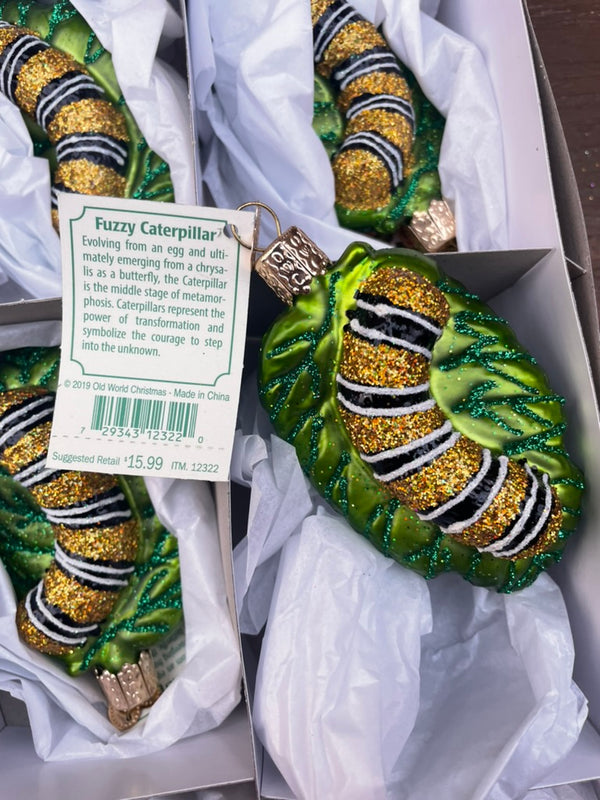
(299, 362)
(327, 122)
(150, 607)
(26, 537)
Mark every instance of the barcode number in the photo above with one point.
(144, 414)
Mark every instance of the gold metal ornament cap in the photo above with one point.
(432, 231)
(290, 262)
(130, 690)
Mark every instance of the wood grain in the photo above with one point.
(569, 37)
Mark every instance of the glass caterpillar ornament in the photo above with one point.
(381, 133)
(53, 68)
(96, 574)
(416, 413)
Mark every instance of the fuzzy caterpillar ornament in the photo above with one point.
(54, 69)
(95, 573)
(416, 413)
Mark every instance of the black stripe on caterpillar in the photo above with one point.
(96, 533)
(376, 153)
(88, 132)
(491, 502)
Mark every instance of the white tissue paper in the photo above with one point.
(200, 663)
(373, 682)
(257, 140)
(130, 30)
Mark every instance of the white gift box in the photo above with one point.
(255, 146)
(210, 745)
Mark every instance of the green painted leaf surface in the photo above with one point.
(300, 357)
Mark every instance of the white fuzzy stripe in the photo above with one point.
(538, 526)
(62, 557)
(63, 89)
(459, 527)
(12, 54)
(34, 473)
(382, 390)
(58, 622)
(12, 429)
(70, 521)
(372, 58)
(375, 62)
(378, 336)
(104, 584)
(385, 310)
(32, 469)
(68, 86)
(95, 139)
(386, 151)
(84, 509)
(400, 411)
(82, 151)
(110, 577)
(373, 458)
(331, 28)
(73, 640)
(383, 101)
(501, 543)
(417, 463)
(23, 45)
(486, 460)
(109, 584)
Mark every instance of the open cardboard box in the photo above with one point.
(544, 208)
(532, 290)
(221, 758)
(544, 287)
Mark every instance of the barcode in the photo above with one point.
(144, 414)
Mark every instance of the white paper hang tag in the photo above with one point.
(155, 306)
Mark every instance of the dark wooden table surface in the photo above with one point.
(568, 32)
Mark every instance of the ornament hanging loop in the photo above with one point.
(289, 264)
(252, 245)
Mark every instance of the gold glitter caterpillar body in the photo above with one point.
(495, 504)
(374, 96)
(384, 140)
(95, 573)
(96, 534)
(75, 110)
